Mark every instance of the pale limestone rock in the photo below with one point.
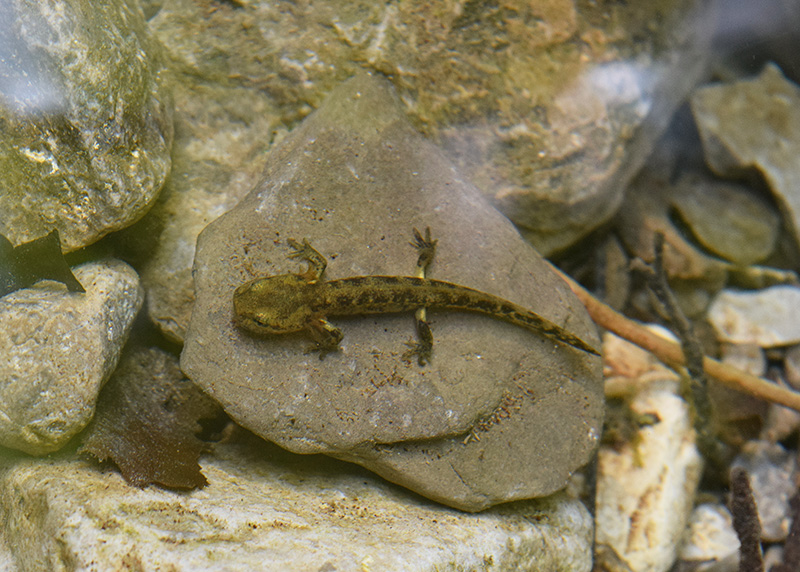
(646, 487)
(266, 509)
(502, 413)
(766, 318)
(710, 537)
(58, 348)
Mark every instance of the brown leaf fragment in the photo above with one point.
(147, 419)
(40, 259)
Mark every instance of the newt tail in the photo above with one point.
(361, 295)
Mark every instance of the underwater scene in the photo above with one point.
(465, 285)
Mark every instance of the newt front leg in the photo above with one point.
(326, 336)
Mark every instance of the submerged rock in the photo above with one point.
(57, 348)
(501, 414)
(647, 480)
(217, 159)
(710, 537)
(754, 124)
(771, 470)
(267, 509)
(766, 318)
(548, 107)
(85, 117)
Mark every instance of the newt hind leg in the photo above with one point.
(326, 337)
(316, 262)
(422, 347)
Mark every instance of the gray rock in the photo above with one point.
(549, 127)
(648, 210)
(727, 219)
(86, 119)
(754, 124)
(265, 509)
(710, 539)
(771, 469)
(765, 317)
(501, 414)
(707, 223)
(58, 348)
(218, 157)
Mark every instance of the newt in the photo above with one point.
(289, 303)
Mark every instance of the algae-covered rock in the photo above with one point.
(549, 107)
(84, 116)
(501, 414)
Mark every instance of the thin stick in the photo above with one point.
(670, 352)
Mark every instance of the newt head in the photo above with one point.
(274, 304)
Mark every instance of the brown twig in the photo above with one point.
(695, 389)
(670, 352)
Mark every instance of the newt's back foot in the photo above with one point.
(422, 348)
(421, 352)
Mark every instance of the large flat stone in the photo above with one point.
(501, 414)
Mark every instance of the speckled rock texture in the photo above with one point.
(265, 509)
(501, 414)
(57, 348)
(85, 118)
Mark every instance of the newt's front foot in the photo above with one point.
(316, 262)
(423, 347)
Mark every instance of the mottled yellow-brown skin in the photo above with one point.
(302, 302)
